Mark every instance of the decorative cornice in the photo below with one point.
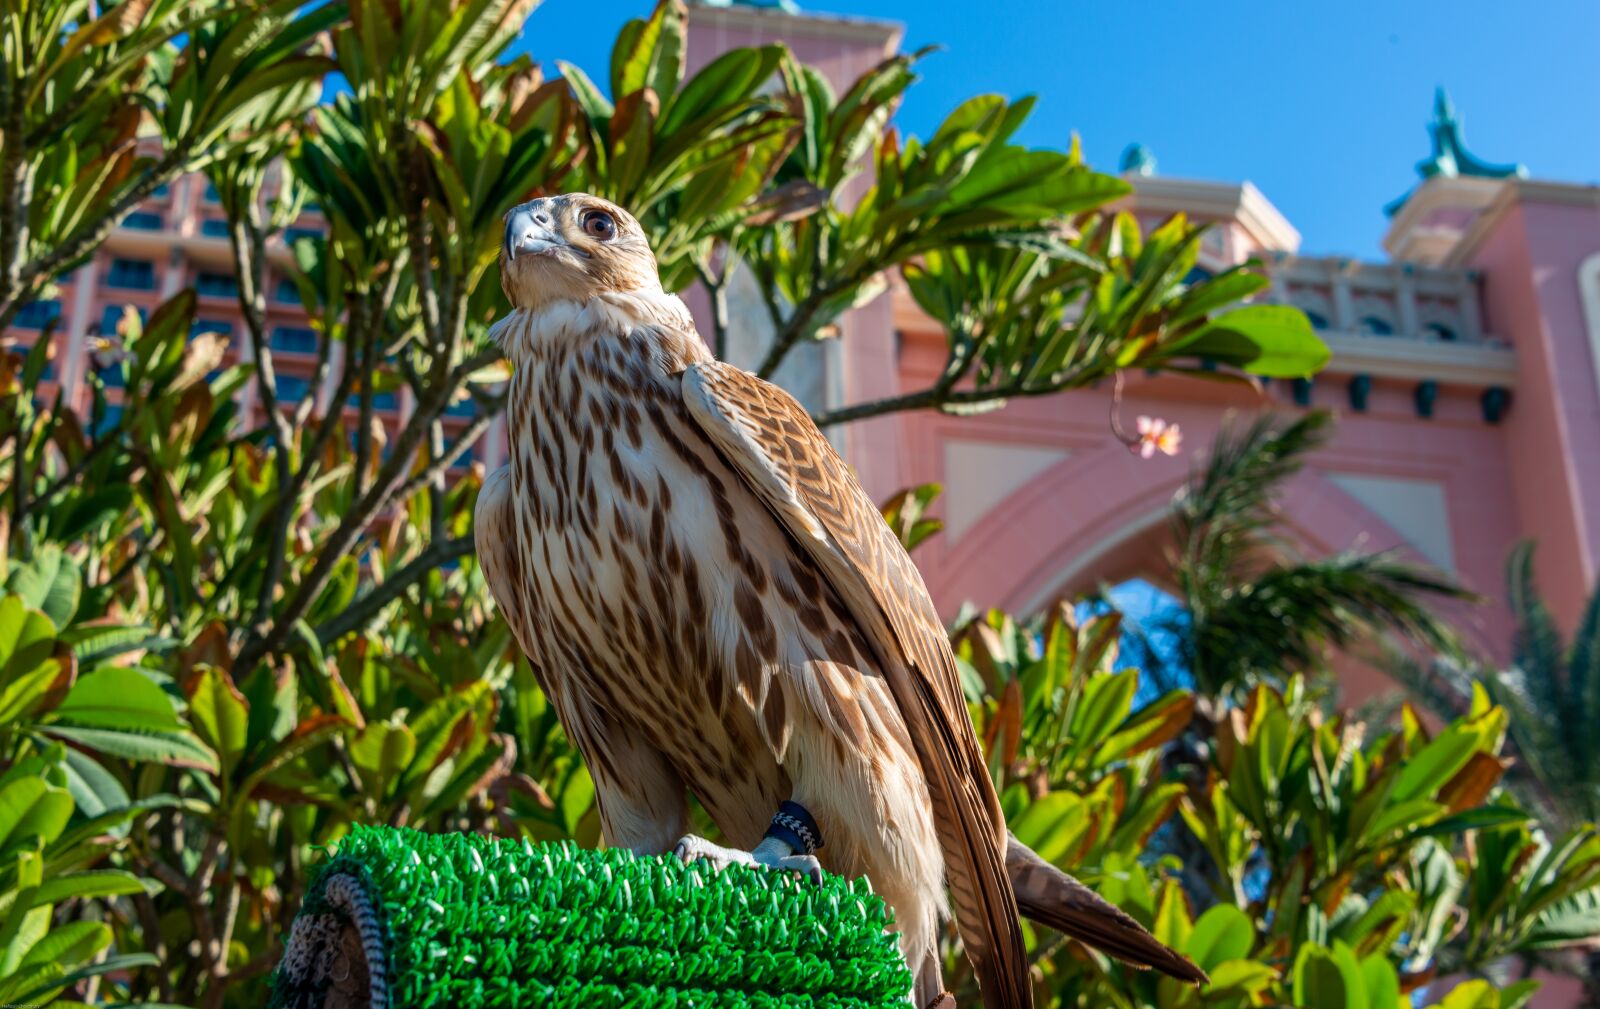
(1241, 202)
(1421, 360)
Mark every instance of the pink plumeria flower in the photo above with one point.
(1156, 435)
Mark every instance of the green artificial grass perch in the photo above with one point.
(403, 919)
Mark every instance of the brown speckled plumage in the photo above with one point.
(713, 604)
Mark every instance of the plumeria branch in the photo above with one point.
(1154, 434)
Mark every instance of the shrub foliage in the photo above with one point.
(229, 634)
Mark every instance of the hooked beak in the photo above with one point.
(529, 234)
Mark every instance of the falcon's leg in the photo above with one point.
(643, 802)
(771, 853)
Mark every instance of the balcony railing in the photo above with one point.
(1396, 320)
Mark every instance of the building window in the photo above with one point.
(1375, 326)
(293, 340)
(380, 401)
(142, 220)
(214, 227)
(211, 326)
(111, 418)
(1318, 321)
(132, 275)
(161, 192)
(1439, 331)
(291, 235)
(212, 196)
(216, 285)
(286, 292)
(292, 388)
(37, 314)
(466, 407)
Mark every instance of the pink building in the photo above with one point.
(1465, 373)
(178, 239)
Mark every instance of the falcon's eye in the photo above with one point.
(599, 224)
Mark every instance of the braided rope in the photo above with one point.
(345, 894)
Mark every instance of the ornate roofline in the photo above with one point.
(1450, 158)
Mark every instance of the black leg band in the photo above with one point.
(794, 826)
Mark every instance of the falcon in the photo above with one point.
(714, 606)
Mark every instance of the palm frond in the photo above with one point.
(1553, 694)
(1583, 663)
(1536, 644)
(1283, 620)
(1225, 511)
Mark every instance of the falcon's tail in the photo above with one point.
(1051, 897)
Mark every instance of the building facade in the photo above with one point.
(1465, 377)
(1465, 373)
(177, 239)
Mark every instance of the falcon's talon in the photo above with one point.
(806, 865)
(693, 848)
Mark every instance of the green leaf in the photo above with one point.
(26, 637)
(1482, 818)
(1399, 815)
(1571, 920)
(1240, 975)
(31, 807)
(1381, 981)
(70, 944)
(381, 751)
(1218, 292)
(593, 103)
(1430, 769)
(1476, 994)
(77, 885)
(91, 511)
(117, 697)
(1172, 925)
(1328, 979)
(220, 715)
(178, 748)
(94, 789)
(306, 736)
(1221, 934)
(94, 642)
(1050, 824)
(49, 583)
(110, 965)
(1274, 341)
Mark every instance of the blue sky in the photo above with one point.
(1321, 105)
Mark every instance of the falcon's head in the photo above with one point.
(571, 248)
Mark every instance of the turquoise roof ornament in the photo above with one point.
(1450, 157)
(786, 6)
(1137, 159)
